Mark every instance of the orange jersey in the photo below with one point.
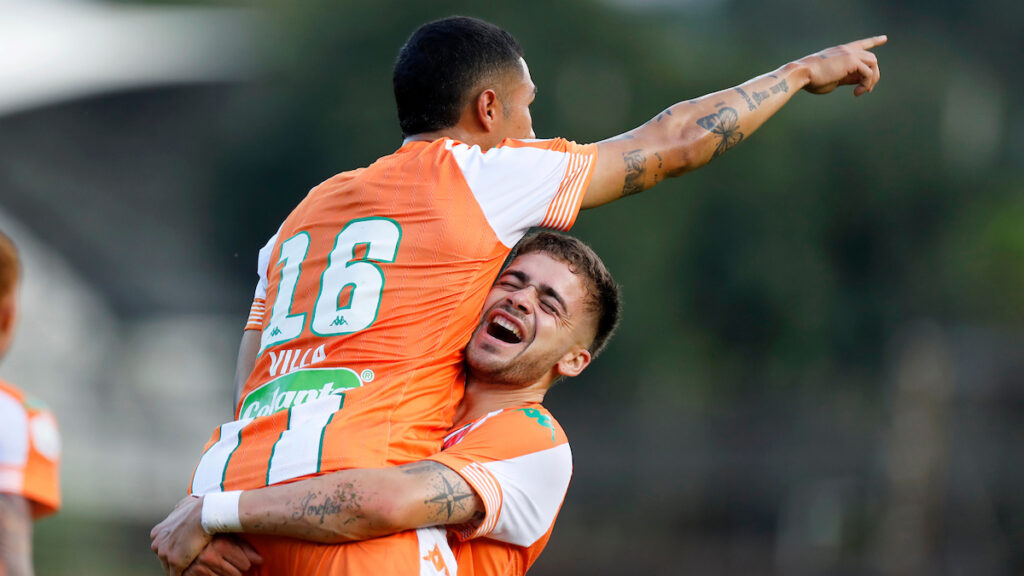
(518, 461)
(369, 291)
(423, 552)
(29, 451)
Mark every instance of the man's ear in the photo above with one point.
(488, 109)
(573, 362)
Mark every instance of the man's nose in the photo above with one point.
(523, 299)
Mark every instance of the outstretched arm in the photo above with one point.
(338, 507)
(690, 134)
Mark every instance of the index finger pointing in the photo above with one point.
(868, 43)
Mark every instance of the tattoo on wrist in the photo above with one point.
(667, 112)
(725, 125)
(636, 165)
(750, 103)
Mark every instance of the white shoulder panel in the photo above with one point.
(533, 488)
(262, 265)
(13, 432)
(514, 186)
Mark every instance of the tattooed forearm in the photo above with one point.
(780, 87)
(725, 125)
(343, 501)
(314, 506)
(450, 499)
(750, 103)
(636, 165)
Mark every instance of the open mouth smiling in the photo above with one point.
(505, 330)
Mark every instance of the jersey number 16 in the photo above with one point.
(363, 276)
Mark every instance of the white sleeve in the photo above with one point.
(532, 487)
(522, 185)
(13, 444)
(263, 265)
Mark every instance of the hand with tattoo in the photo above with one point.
(842, 65)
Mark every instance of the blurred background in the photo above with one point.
(821, 365)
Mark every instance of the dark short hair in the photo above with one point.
(442, 63)
(603, 296)
(10, 265)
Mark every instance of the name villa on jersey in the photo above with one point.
(287, 361)
(298, 384)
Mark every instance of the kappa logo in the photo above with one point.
(542, 419)
(275, 331)
(435, 559)
(339, 321)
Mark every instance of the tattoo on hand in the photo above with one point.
(750, 103)
(780, 87)
(636, 165)
(724, 124)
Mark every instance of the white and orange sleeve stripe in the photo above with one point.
(256, 314)
(521, 471)
(259, 298)
(524, 183)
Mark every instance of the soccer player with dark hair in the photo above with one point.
(371, 287)
(506, 463)
(29, 443)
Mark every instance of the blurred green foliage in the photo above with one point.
(783, 264)
(763, 293)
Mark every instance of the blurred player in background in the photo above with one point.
(372, 286)
(505, 467)
(29, 443)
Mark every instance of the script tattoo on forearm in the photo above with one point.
(780, 87)
(750, 103)
(636, 166)
(319, 506)
(724, 124)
